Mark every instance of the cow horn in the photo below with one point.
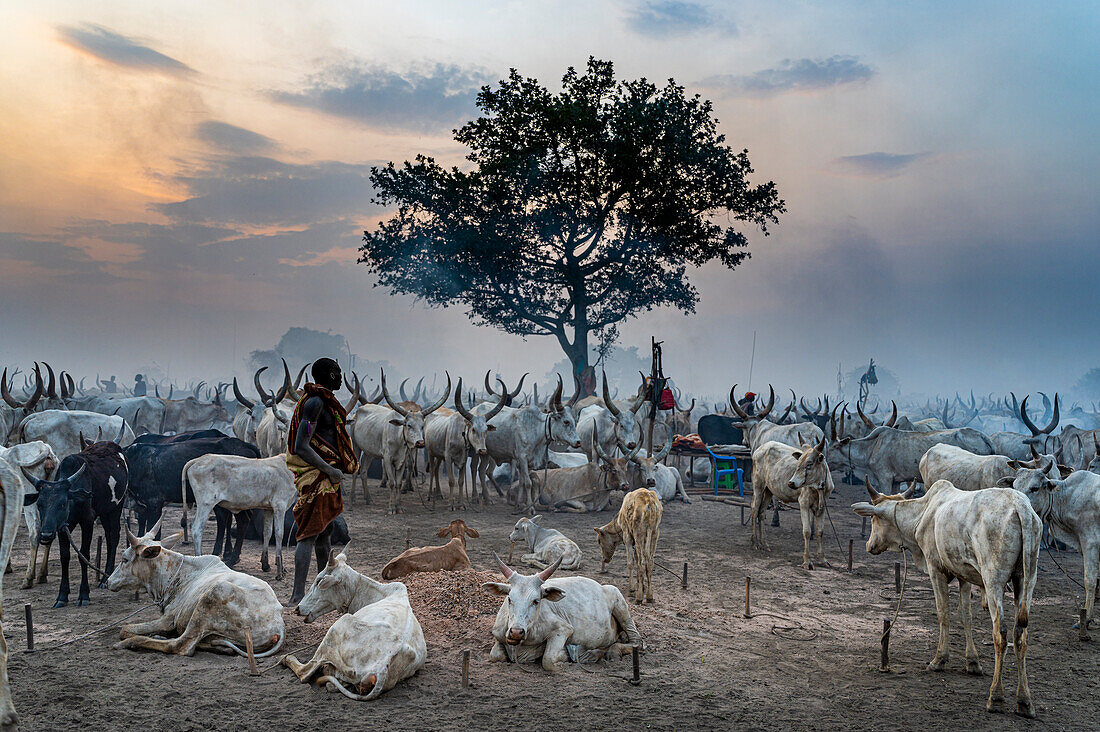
(122, 429)
(893, 414)
(1054, 419)
(238, 396)
(632, 453)
(500, 405)
(864, 417)
(417, 392)
(291, 390)
(736, 409)
(608, 401)
(1034, 453)
(195, 391)
(771, 403)
(277, 414)
(555, 398)
(264, 396)
(518, 388)
(401, 389)
(386, 395)
(908, 492)
(875, 495)
(787, 411)
(79, 471)
(354, 394)
(30, 478)
(51, 389)
(822, 445)
(298, 380)
(131, 539)
(72, 386)
(64, 386)
(1035, 431)
(504, 568)
(80, 386)
(599, 449)
(665, 449)
(545, 574)
(171, 390)
(6, 393)
(83, 443)
(458, 403)
(488, 388)
(443, 397)
(31, 403)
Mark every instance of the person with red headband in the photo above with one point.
(748, 402)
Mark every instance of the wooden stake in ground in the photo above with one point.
(408, 537)
(637, 666)
(252, 669)
(851, 542)
(465, 669)
(684, 583)
(885, 665)
(748, 610)
(30, 627)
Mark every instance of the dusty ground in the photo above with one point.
(706, 667)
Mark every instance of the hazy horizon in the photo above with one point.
(181, 184)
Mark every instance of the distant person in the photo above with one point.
(588, 381)
(109, 387)
(140, 388)
(319, 453)
(747, 403)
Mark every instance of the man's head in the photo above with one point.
(326, 373)
(138, 377)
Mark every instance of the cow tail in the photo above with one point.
(1030, 565)
(241, 652)
(379, 685)
(183, 489)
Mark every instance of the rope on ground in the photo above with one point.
(901, 595)
(835, 535)
(1059, 566)
(97, 630)
(788, 632)
(672, 572)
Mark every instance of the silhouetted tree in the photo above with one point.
(580, 209)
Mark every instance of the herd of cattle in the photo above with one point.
(74, 457)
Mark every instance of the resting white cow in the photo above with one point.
(986, 538)
(39, 460)
(575, 617)
(241, 483)
(1073, 508)
(546, 546)
(377, 643)
(206, 605)
(792, 475)
(966, 470)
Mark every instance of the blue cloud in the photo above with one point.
(118, 49)
(800, 75)
(675, 18)
(231, 138)
(877, 164)
(440, 96)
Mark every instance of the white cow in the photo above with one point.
(611, 424)
(62, 430)
(39, 460)
(965, 470)
(239, 484)
(540, 620)
(11, 501)
(984, 538)
(757, 429)
(546, 546)
(205, 604)
(374, 645)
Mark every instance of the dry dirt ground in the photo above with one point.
(706, 666)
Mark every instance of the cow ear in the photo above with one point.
(535, 519)
(863, 509)
(1005, 481)
(30, 498)
(397, 422)
(497, 588)
(1065, 470)
(443, 532)
(553, 594)
(796, 455)
(150, 551)
(171, 541)
(472, 533)
(1014, 464)
(490, 428)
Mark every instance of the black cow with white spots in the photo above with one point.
(89, 485)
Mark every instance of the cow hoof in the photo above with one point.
(995, 706)
(232, 561)
(60, 603)
(42, 579)
(83, 602)
(937, 665)
(1023, 708)
(974, 668)
(824, 563)
(28, 584)
(102, 584)
(265, 566)
(808, 565)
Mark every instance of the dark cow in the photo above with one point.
(156, 469)
(89, 485)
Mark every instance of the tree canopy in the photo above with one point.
(579, 208)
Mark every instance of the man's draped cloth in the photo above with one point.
(319, 500)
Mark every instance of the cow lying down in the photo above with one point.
(206, 605)
(377, 643)
(545, 546)
(575, 618)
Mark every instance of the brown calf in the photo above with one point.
(451, 556)
(638, 525)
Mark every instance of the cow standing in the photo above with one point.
(11, 503)
(38, 460)
(450, 438)
(638, 525)
(987, 538)
(88, 486)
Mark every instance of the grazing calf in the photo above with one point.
(238, 484)
(89, 485)
(985, 538)
(374, 645)
(638, 525)
(792, 475)
(205, 604)
(11, 502)
(451, 556)
(1072, 506)
(546, 546)
(39, 461)
(575, 617)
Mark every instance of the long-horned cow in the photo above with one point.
(453, 436)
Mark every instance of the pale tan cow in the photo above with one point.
(638, 525)
(451, 556)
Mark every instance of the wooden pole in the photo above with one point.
(885, 665)
(408, 537)
(748, 584)
(465, 669)
(684, 583)
(851, 542)
(99, 554)
(637, 666)
(252, 669)
(30, 627)
(897, 577)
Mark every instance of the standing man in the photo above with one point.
(319, 453)
(140, 389)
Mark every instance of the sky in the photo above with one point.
(181, 182)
